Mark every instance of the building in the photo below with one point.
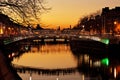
(8, 28)
(111, 20)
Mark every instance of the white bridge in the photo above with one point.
(65, 36)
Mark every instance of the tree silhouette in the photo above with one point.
(90, 22)
(23, 11)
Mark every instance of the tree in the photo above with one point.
(23, 11)
(89, 22)
(82, 22)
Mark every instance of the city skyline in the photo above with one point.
(67, 12)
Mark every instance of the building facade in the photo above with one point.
(111, 20)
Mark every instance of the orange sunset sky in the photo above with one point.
(67, 12)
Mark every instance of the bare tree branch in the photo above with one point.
(23, 9)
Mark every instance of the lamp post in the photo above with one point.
(113, 29)
(115, 22)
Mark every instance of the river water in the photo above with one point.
(62, 56)
(48, 56)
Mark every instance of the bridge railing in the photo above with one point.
(62, 35)
(8, 40)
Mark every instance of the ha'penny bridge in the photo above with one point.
(105, 39)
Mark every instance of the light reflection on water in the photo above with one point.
(48, 56)
(76, 76)
(61, 56)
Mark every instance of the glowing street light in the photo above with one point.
(115, 22)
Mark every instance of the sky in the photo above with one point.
(64, 13)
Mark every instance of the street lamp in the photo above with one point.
(83, 27)
(115, 22)
(114, 26)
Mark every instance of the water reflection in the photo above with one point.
(49, 56)
(98, 62)
(66, 59)
(51, 48)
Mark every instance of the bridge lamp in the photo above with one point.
(105, 61)
(105, 40)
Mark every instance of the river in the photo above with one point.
(61, 57)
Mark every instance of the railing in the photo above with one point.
(107, 39)
(9, 40)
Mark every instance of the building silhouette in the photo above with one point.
(109, 19)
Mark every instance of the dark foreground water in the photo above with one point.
(62, 61)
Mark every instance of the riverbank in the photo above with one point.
(7, 72)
